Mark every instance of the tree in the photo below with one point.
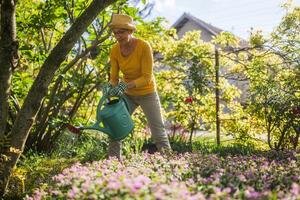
(8, 57)
(32, 103)
(272, 67)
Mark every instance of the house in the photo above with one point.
(187, 22)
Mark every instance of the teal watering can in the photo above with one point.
(113, 118)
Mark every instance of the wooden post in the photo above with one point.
(217, 92)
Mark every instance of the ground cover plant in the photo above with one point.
(179, 176)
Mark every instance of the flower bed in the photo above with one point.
(182, 176)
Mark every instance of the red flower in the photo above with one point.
(188, 100)
(73, 129)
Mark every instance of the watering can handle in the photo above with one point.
(127, 104)
(101, 101)
(103, 98)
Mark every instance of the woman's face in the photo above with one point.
(122, 35)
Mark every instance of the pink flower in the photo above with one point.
(72, 193)
(38, 194)
(295, 189)
(137, 185)
(242, 178)
(55, 192)
(198, 196)
(114, 185)
(143, 179)
(85, 186)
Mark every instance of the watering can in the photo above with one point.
(112, 118)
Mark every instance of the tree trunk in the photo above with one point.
(8, 58)
(296, 139)
(27, 114)
(281, 138)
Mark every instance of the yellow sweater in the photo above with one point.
(137, 67)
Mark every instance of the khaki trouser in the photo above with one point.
(151, 107)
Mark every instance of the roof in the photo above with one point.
(186, 17)
(214, 31)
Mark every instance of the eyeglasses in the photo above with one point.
(120, 32)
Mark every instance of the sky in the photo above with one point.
(236, 16)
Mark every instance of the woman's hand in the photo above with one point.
(119, 89)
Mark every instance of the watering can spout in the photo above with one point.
(96, 126)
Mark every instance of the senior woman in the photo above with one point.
(133, 58)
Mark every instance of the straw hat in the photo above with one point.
(122, 21)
